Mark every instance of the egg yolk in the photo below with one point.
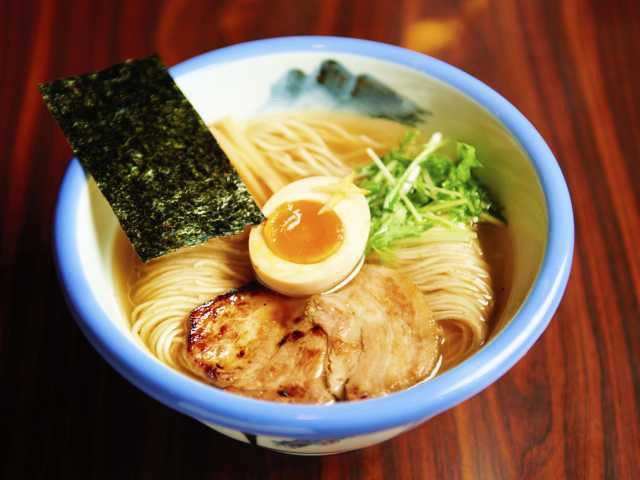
(296, 232)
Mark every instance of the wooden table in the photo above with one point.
(570, 408)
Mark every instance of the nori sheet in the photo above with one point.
(162, 171)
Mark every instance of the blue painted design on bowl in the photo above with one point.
(331, 85)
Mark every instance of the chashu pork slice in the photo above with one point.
(259, 343)
(382, 335)
(373, 337)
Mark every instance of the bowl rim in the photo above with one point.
(404, 408)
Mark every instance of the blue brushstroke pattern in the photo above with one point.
(332, 85)
(304, 443)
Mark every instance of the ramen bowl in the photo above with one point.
(518, 167)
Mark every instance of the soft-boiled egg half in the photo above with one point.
(313, 238)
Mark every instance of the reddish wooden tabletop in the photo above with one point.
(570, 408)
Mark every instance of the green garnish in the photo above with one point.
(164, 175)
(414, 188)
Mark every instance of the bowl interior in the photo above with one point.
(242, 88)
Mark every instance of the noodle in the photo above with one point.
(455, 280)
(269, 152)
(164, 291)
(273, 150)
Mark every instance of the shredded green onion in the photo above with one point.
(416, 187)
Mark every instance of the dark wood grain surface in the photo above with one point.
(570, 408)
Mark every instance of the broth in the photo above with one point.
(495, 242)
(497, 249)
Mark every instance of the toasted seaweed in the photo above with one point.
(342, 89)
(162, 171)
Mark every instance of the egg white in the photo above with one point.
(295, 279)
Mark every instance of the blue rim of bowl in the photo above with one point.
(340, 420)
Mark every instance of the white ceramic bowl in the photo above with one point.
(518, 168)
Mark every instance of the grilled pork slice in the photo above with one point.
(373, 337)
(382, 335)
(258, 343)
